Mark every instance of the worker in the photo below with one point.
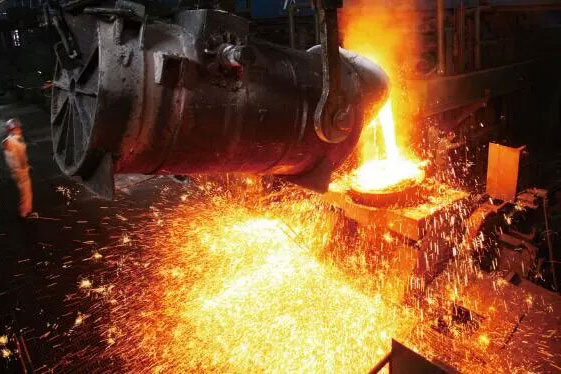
(15, 153)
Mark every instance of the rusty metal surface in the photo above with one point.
(517, 255)
(502, 171)
(517, 327)
(441, 37)
(440, 94)
(412, 222)
(537, 339)
(428, 228)
(158, 98)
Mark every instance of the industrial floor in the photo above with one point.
(41, 260)
(45, 262)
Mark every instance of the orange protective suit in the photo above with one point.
(15, 153)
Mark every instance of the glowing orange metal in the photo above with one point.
(366, 32)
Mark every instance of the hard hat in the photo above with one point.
(13, 124)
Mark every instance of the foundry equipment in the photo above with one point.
(194, 94)
(464, 63)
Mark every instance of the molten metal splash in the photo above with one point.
(234, 281)
(236, 290)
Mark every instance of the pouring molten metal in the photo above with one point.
(365, 31)
(393, 171)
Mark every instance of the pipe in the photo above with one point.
(477, 50)
(478, 10)
(461, 36)
(441, 65)
(292, 7)
(291, 26)
(317, 28)
(549, 245)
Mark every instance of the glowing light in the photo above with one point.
(366, 30)
(232, 284)
(388, 129)
(375, 174)
(85, 283)
(235, 285)
(3, 339)
(484, 340)
(236, 291)
(79, 319)
(6, 353)
(387, 237)
(380, 175)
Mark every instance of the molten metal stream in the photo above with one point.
(381, 174)
(370, 30)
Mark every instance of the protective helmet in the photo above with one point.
(13, 124)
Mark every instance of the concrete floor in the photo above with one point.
(41, 260)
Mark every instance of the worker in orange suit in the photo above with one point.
(15, 153)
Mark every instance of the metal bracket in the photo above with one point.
(332, 120)
(123, 8)
(168, 67)
(59, 23)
